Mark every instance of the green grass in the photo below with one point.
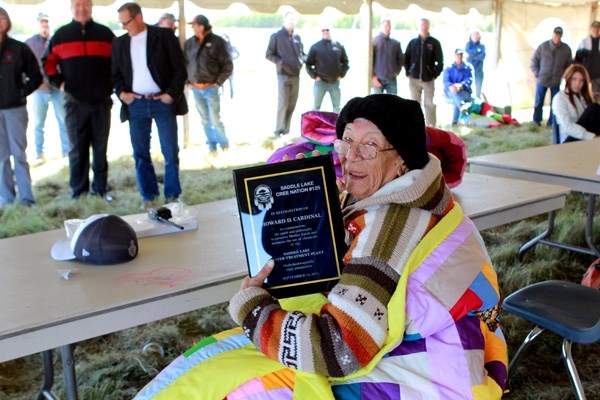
(116, 366)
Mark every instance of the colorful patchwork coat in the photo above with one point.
(414, 316)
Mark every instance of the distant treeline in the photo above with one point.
(274, 20)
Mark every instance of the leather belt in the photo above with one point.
(149, 96)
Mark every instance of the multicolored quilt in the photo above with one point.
(427, 353)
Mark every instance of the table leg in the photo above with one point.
(538, 238)
(48, 368)
(591, 250)
(68, 362)
(590, 224)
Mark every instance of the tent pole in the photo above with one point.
(182, 38)
(369, 44)
(498, 5)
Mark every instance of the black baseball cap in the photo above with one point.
(201, 20)
(102, 239)
(558, 30)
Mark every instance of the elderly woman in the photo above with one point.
(414, 315)
(575, 112)
(19, 76)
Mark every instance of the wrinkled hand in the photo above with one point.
(259, 279)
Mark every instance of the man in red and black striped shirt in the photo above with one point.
(78, 61)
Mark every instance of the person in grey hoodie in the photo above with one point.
(549, 62)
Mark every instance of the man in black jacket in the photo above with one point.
(286, 51)
(19, 76)
(149, 75)
(209, 65)
(388, 60)
(327, 64)
(77, 61)
(424, 62)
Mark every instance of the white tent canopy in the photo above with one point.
(517, 21)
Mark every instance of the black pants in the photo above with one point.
(590, 120)
(88, 125)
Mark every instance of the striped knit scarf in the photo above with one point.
(351, 328)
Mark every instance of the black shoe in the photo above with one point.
(106, 197)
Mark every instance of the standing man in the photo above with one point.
(19, 76)
(458, 78)
(424, 62)
(77, 61)
(149, 75)
(588, 54)
(167, 20)
(388, 60)
(45, 94)
(327, 64)
(549, 62)
(208, 65)
(286, 51)
(475, 56)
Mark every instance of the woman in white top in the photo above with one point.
(576, 114)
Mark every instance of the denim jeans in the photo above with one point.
(540, 94)
(478, 83)
(41, 99)
(141, 114)
(208, 105)
(13, 141)
(321, 88)
(387, 86)
(457, 99)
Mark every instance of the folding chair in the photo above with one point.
(567, 309)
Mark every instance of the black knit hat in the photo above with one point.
(400, 120)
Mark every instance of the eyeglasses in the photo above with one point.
(124, 24)
(324, 30)
(365, 151)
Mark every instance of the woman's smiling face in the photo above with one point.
(365, 176)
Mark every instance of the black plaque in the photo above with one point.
(290, 212)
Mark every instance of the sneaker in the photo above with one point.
(213, 153)
(464, 107)
(28, 203)
(40, 159)
(147, 204)
(224, 148)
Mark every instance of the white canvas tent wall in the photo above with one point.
(517, 23)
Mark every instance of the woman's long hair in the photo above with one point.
(586, 90)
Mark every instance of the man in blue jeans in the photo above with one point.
(208, 65)
(327, 64)
(458, 79)
(46, 94)
(548, 63)
(149, 76)
(388, 60)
